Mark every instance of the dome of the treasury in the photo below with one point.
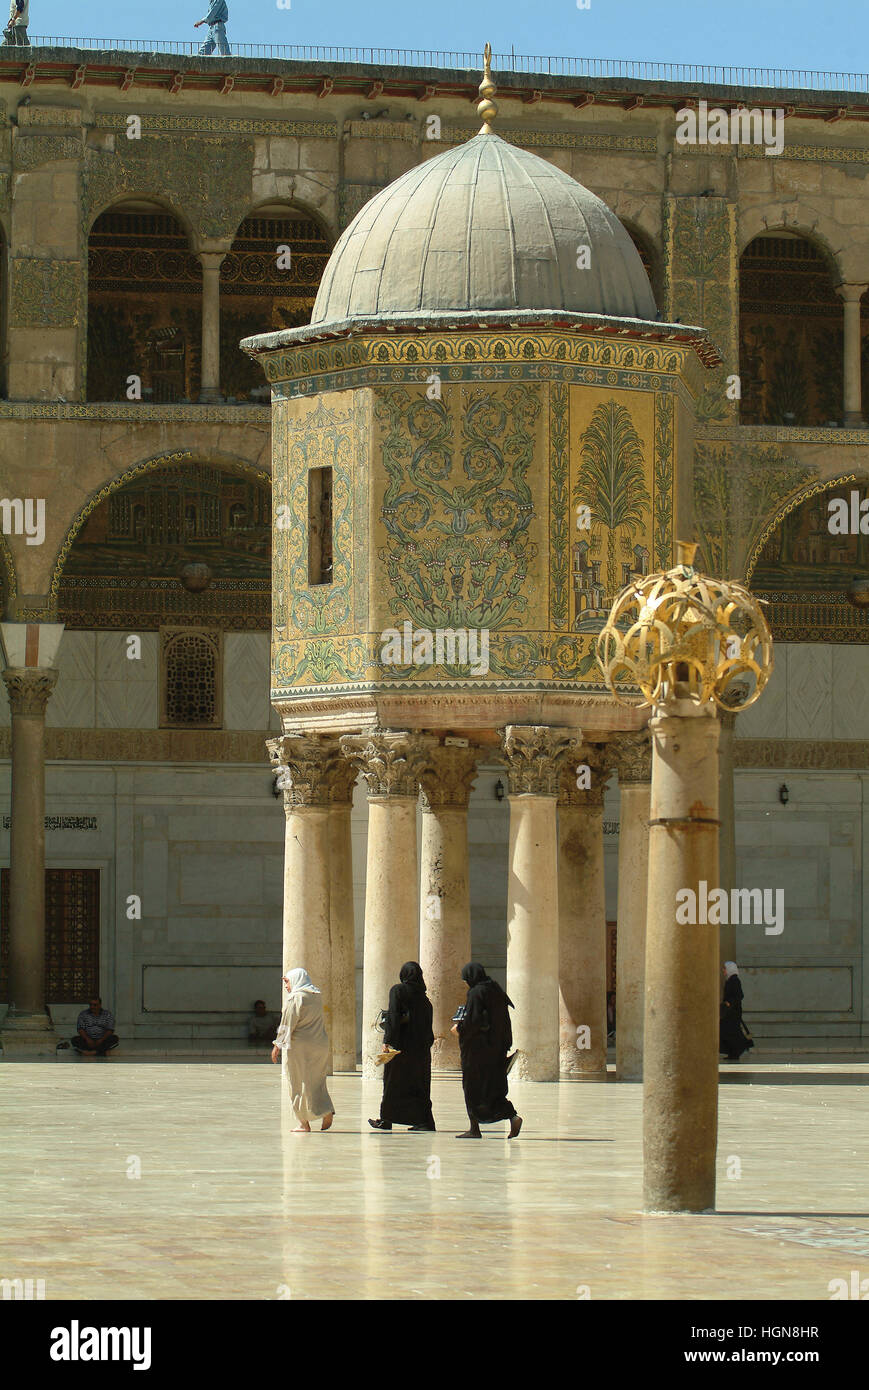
(483, 227)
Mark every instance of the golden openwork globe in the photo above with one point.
(683, 635)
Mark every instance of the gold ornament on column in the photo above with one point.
(487, 109)
(684, 635)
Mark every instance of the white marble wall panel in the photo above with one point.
(128, 689)
(819, 989)
(811, 849)
(767, 717)
(73, 701)
(246, 681)
(817, 691)
(810, 691)
(215, 880)
(222, 989)
(851, 692)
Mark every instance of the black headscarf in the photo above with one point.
(473, 974)
(411, 974)
(408, 1001)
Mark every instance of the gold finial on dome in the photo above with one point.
(486, 108)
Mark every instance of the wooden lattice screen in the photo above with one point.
(72, 935)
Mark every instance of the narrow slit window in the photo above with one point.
(320, 526)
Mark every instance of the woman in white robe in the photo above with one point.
(303, 1042)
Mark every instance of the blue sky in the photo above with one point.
(816, 34)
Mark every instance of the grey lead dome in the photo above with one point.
(485, 226)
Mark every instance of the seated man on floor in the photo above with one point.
(96, 1030)
(261, 1026)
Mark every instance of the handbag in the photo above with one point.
(461, 1014)
(380, 1022)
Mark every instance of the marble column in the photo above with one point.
(302, 762)
(852, 295)
(445, 902)
(209, 386)
(535, 756)
(680, 1082)
(582, 917)
(341, 778)
(727, 837)
(390, 763)
(27, 1028)
(634, 763)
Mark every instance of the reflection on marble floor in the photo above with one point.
(230, 1204)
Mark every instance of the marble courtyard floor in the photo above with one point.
(230, 1204)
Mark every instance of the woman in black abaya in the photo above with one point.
(485, 1038)
(407, 1078)
(733, 1039)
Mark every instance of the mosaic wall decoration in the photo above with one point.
(257, 295)
(457, 510)
(736, 489)
(790, 334)
(188, 543)
(144, 309)
(701, 277)
(804, 572)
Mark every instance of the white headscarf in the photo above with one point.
(295, 982)
(299, 982)
(730, 968)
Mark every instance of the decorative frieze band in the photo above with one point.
(797, 755)
(138, 412)
(219, 125)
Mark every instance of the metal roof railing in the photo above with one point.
(686, 74)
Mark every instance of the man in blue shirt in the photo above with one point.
(96, 1030)
(216, 21)
(15, 32)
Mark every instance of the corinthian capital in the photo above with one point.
(302, 764)
(448, 776)
(633, 757)
(583, 782)
(29, 687)
(390, 761)
(536, 755)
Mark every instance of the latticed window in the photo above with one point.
(191, 684)
(72, 935)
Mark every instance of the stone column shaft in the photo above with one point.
(634, 760)
(445, 901)
(727, 837)
(680, 1087)
(29, 691)
(342, 928)
(210, 377)
(852, 295)
(27, 1026)
(389, 763)
(582, 921)
(535, 756)
(303, 763)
